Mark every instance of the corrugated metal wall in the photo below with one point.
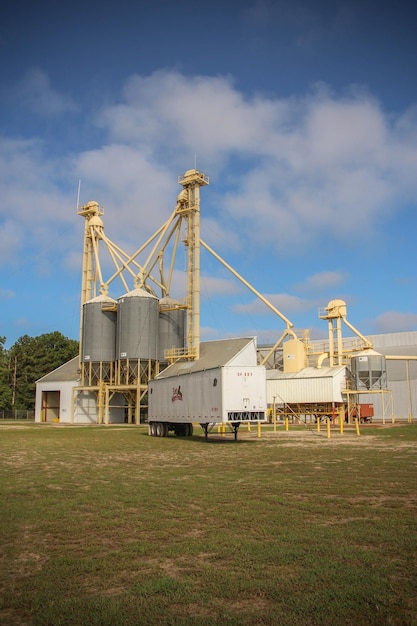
(402, 378)
(301, 389)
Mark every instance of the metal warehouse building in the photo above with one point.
(401, 373)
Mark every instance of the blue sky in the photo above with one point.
(303, 115)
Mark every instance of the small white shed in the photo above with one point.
(54, 393)
(308, 386)
(57, 401)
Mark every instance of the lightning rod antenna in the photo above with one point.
(78, 194)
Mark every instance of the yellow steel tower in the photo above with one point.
(92, 234)
(191, 182)
(130, 378)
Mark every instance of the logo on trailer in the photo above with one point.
(176, 393)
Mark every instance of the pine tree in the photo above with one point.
(30, 358)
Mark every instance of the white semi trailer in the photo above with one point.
(231, 392)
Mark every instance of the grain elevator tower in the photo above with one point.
(125, 340)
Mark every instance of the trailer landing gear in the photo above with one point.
(232, 427)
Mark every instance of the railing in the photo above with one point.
(172, 354)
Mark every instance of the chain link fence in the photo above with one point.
(17, 414)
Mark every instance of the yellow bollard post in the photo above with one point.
(223, 429)
(286, 423)
(318, 424)
(259, 429)
(342, 418)
(357, 426)
(328, 428)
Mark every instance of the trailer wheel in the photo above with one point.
(152, 429)
(160, 430)
(189, 430)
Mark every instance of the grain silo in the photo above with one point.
(137, 326)
(99, 330)
(171, 326)
(369, 370)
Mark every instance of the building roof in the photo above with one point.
(307, 372)
(400, 344)
(67, 372)
(213, 354)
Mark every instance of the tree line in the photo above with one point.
(26, 361)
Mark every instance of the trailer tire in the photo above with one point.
(152, 429)
(161, 430)
(189, 430)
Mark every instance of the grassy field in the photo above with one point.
(108, 526)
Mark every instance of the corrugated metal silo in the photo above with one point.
(99, 330)
(137, 326)
(369, 370)
(171, 326)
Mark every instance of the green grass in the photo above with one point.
(108, 526)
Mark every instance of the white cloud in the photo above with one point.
(208, 333)
(6, 294)
(395, 321)
(322, 281)
(34, 92)
(213, 233)
(201, 115)
(210, 286)
(34, 210)
(214, 286)
(336, 173)
(281, 301)
(310, 169)
(130, 187)
(30, 182)
(313, 167)
(351, 132)
(11, 241)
